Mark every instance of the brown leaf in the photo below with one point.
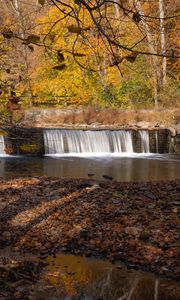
(79, 54)
(12, 106)
(41, 2)
(74, 29)
(7, 34)
(60, 67)
(87, 28)
(60, 56)
(31, 48)
(136, 17)
(116, 61)
(33, 38)
(52, 37)
(131, 57)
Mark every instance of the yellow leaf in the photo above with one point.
(3, 133)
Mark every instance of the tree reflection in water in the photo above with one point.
(79, 278)
(148, 168)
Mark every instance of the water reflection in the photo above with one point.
(89, 279)
(2, 167)
(147, 168)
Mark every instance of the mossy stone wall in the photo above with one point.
(29, 141)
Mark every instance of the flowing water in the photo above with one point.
(92, 141)
(145, 141)
(2, 145)
(77, 153)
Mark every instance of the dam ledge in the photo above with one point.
(33, 140)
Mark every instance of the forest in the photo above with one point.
(89, 149)
(73, 54)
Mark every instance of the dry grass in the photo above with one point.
(93, 116)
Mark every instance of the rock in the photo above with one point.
(175, 210)
(151, 196)
(177, 138)
(6, 235)
(144, 188)
(95, 124)
(107, 177)
(120, 212)
(177, 148)
(87, 183)
(178, 130)
(176, 203)
(91, 174)
(144, 236)
(132, 230)
(94, 187)
(144, 125)
(157, 125)
(172, 130)
(151, 206)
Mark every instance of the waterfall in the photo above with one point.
(53, 141)
(157, 143)
(2, 145)
(144, 137)
(122, 141)
(87, 141)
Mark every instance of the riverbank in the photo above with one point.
(94, 117)
(136, 223)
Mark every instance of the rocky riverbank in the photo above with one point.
(136, 223)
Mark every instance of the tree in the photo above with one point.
(109, 18)
(102, 35)
(17, 25)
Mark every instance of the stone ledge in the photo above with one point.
(30, 141)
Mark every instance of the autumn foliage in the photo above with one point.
(76, 54)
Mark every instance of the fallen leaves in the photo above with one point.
(17, 276)
(133, 222)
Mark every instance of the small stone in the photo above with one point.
(151, 196)
(6, 235)
(177, 203)
(173, 131)
(132, 230)
(144, 236)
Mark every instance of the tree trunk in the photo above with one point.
(163, 41)
(117, 11)
(153, 49)
(16, 6)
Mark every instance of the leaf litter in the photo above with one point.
(135, 223)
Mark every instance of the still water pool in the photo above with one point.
(137, 167)
(69, 277)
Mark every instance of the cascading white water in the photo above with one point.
(122, 141)
(87, 141)
(2, 145)
(53, 141)
(144, 136)
(157, 143)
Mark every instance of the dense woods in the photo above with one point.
(77, 53)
